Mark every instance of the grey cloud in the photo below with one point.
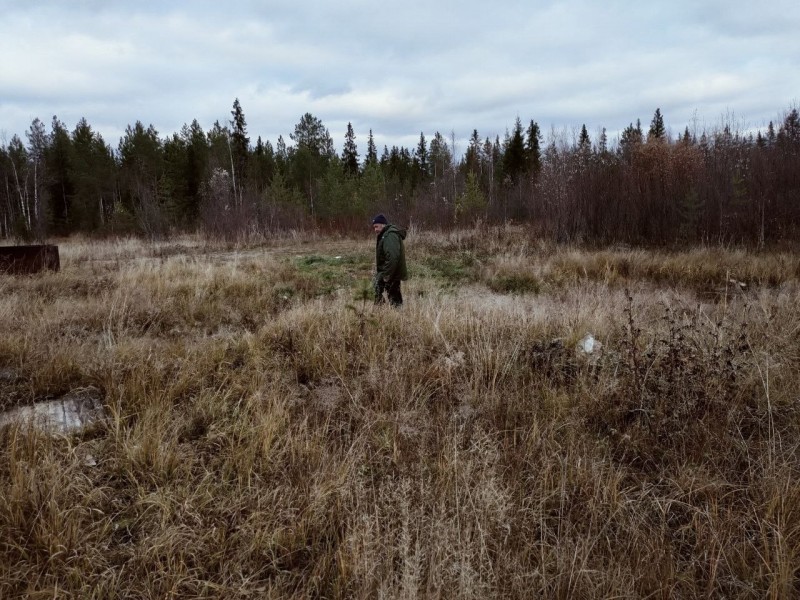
(396, 69)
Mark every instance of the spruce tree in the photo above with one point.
(350, 152)
(197, 171)
(471, 203)
(533, 153)
(472, 158)
(262, 165)
(174, 184)
(60, 186)
(514, 155)
(141, 154)
(440, 157)
(239, 148)
(372, 185)
(631, 138)
(421, 157)
(657, 130)
(281, 155)
(372, 152)
(584, 142)
(384, 161)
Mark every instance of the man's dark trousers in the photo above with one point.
(392, 292)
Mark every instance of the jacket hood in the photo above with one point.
(398, 230)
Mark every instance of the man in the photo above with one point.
(390, 261)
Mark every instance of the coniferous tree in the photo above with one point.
(472, 157)
(219, 149)
(439, 155)
(421, 158)
(280, 192)
(471, 204)
(657, 130)
(631, 138)
(59, 184)
(197, 168)
(584, 142)
(92, 172)
(350, 152)
(262, 165)
(372, 153)
(334, 197)
(398, 169)
(533, 152)
(186, 158)
(281, 156)
(372, 186)
(514, 156)
(141, 155)
(789, 132)
(310, 156)
(239, 149)
(173, 188)
(770, 134)
(384, 161)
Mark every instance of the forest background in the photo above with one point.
(645, 187)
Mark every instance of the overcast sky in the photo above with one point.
(398, 68)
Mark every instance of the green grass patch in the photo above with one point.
(517, 283)
(460, 268)
(333, 272)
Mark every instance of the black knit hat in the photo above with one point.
(380, 219)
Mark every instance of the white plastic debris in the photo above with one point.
(68, 414)
(741, 284)
(589, 345)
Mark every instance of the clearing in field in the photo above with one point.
(536, 421)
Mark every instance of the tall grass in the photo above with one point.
(268, 436)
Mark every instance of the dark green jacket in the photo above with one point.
(390, 257)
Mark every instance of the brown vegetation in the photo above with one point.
(270, 434)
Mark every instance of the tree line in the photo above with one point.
(646, 187)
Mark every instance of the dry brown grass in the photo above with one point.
(270, 435)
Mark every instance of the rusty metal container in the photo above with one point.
(29, 259)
